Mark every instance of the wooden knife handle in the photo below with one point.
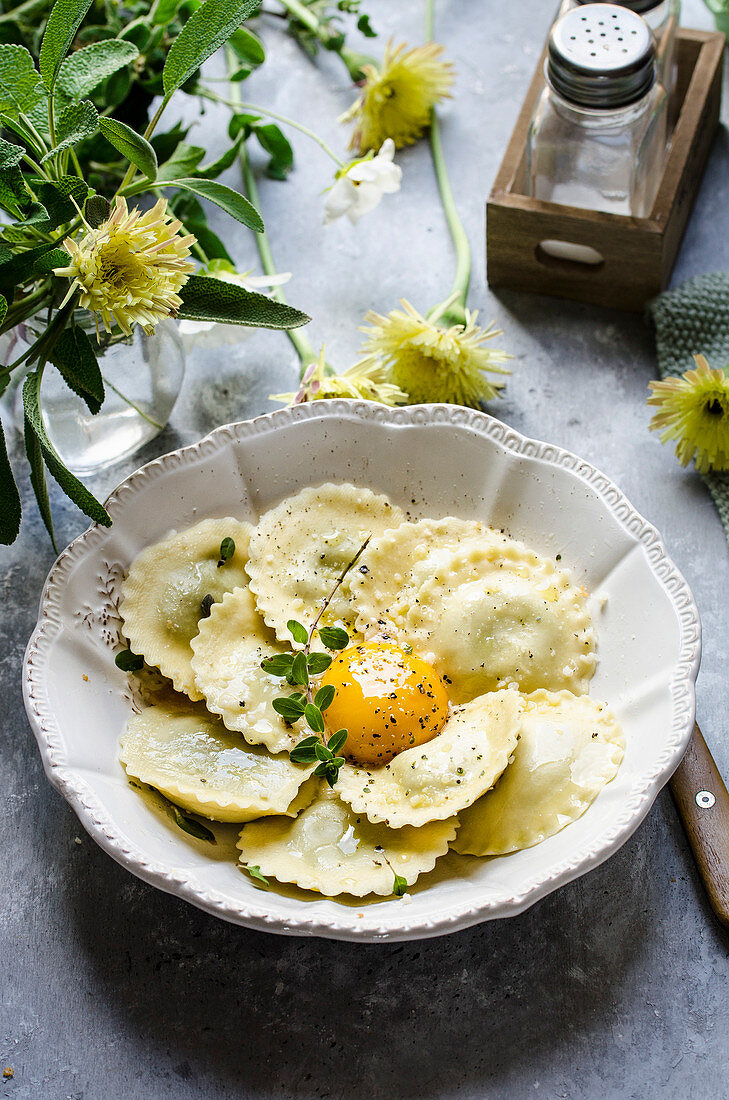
(703, 805)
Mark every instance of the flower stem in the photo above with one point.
(240, 106)
(129, 174)
(429, 20)
(303, 348)
(23, 308)
(456, 310)
(354, 61)
(128, 400)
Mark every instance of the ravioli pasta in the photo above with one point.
(438, 779)
(299, 549)
(226, 664)
(192, 759)
(331, 849)
(162, 595)
(569, 748)
(464, 682)
(496, 613)
(395, 566)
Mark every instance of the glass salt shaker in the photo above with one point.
(662, 16)
(597, 138)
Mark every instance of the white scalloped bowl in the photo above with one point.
(433, 460)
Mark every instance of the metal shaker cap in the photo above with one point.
(601, 56)
(640, 6)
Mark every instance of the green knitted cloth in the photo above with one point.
(693, 319)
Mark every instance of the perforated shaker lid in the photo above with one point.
(601, 56)
(640, 6)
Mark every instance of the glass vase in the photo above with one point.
(142, 378)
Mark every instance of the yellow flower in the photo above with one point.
(396, 100)
(130, 270)
(365, 381)
(433, 363)
(694, 410)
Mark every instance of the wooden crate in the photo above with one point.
(638, 253)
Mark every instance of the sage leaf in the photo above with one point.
(226, 198)
(58, 198)
(57, 257)
(206, 299)
(183, 160)
(71, 486)
(10, 154)
(13, 193)
(77, 122)
(164, 11)
(21, 87)
(248, 47)
(3, 311)
(193, 827)
(97, 210)
(215, 167)
(63, 22)
(38, 479)
(85, 69)
(36, 215)
(139, 32)
(166, 142)
(210, 243)
(204, 32)
(131, 145)
(10, 509)
(297, 631)
(73, 356)
(22, 266)
(277, 144)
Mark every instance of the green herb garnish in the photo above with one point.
(333, 637)
(128, 661)
(255, 873)
(297, 631)
(227, 549)
(191, 826)
(297, 669)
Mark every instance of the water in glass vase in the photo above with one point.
(142, 378)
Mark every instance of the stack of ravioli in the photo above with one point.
(524, 749)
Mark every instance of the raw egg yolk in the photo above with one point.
(388, 700)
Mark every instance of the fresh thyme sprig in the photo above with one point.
(400, 884)
(298, 668)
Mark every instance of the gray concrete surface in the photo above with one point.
(615, 987)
